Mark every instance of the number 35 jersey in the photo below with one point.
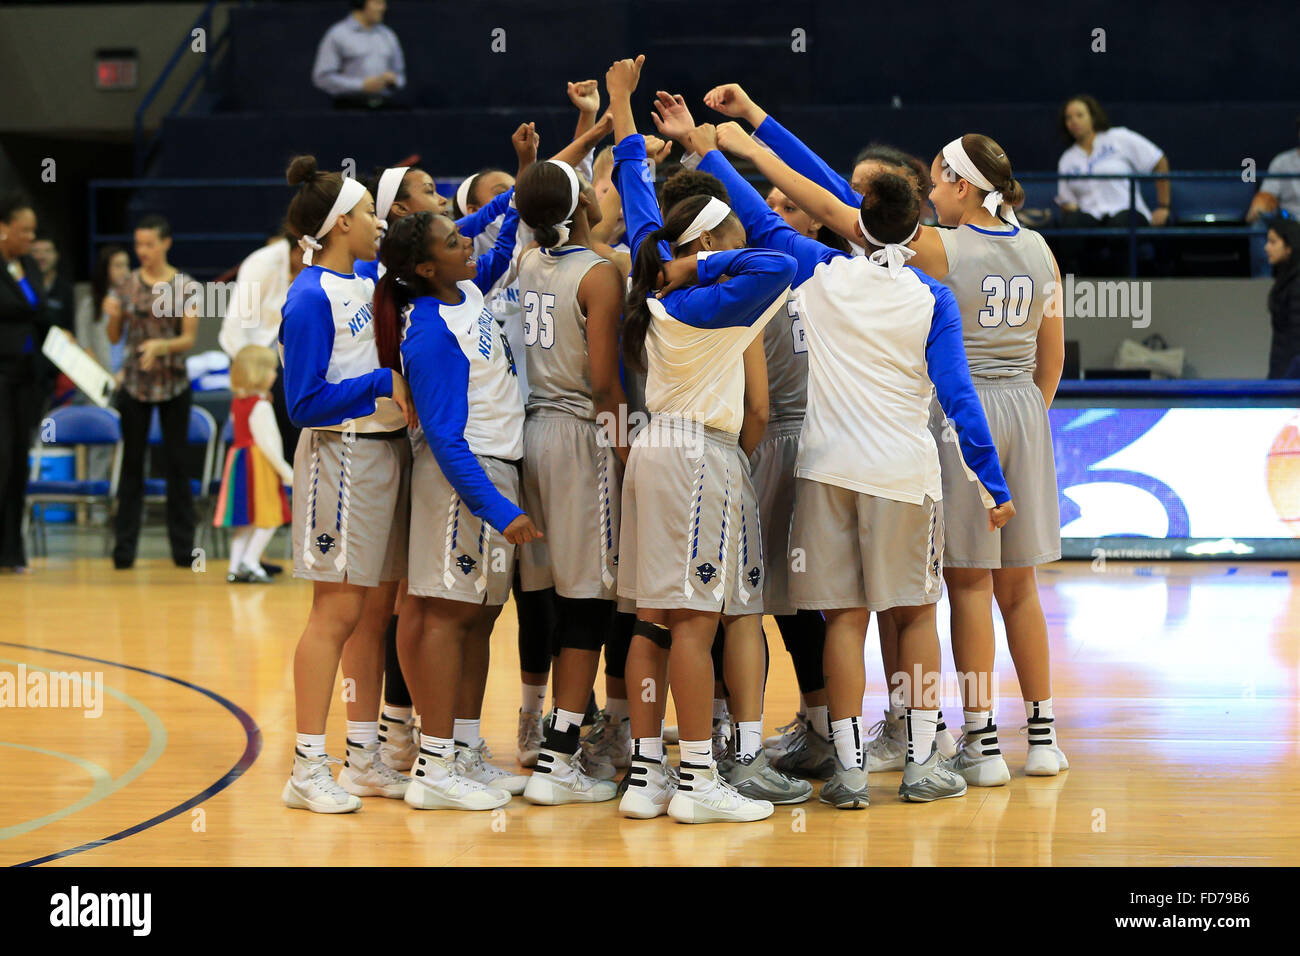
(555, 328)
(1002, 280)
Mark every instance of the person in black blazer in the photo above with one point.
(1283, 250)
(24, 320)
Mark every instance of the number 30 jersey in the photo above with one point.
(555, 328)
(1002, 280)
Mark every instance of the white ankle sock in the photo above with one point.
(921, 728)
(443, 747)
(311, 745)
(616, 708)
(846, 734)
(363, 733)
(466, 733)
(567, 720)
(748, 738)
(649, 748)
(532, 698)
(697, 753)
(976, 720)
(1042, 725)
(401, 714)
(819, 719)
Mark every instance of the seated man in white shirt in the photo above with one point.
(359, 61)
(1275, 194)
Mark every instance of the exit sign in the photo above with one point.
(116, 69)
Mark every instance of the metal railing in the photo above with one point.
(1133, 231)
(447, 185)
(145, 143)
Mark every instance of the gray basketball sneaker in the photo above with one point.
(755, 777)
(811, 755)
(847, 788)
(930, 781)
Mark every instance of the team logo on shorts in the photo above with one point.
(753, 576)
(466, 563)
(324, 543)
(705, 572)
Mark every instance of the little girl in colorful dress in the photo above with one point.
(252, 499)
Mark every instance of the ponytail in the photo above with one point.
(644, 281)
(405, 246)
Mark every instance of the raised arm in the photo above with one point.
(474, 223)
(755, 278)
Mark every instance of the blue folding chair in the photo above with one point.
(70, 427)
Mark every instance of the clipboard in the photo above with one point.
(73, 361)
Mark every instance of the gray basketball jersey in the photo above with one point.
(1002, 280)
(787, 364)
(555, 328)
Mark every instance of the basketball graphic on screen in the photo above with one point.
(1284, 475)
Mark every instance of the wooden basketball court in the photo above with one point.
(1176, 691)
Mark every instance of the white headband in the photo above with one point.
(575, 190)
(462, 195)
(894, 254)
(714, 211)
(349, 195)
(389, 183)
(954, 154)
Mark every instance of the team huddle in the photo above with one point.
(831, 406)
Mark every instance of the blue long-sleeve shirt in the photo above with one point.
(332, 376)
(795, 153)
(471, 225)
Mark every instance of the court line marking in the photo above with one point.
(101, 786)
(252, 748)
(157, 744)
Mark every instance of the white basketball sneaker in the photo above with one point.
(650, 788)
(310, 787)
(471, 762)
(559, 779)
(528, 738)
(1045, 760)
(943, 740)
(399, 742)
(704, 796)
(435, 785)
(365, 774)
(979, 759)
(887, 749)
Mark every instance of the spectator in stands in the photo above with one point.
(1275, 194)
(112, 270)
(1283, 250)
(61, 307)
(159, 324)
(1097, 147)
(253, 315)
(359, 61)
(24, 321)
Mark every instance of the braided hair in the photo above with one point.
(405, 246)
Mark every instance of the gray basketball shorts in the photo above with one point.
(455, 555)
(772, 471)
(1021, 433)
(690, 535)
(351, 507)
(849, 549)
(572, 486)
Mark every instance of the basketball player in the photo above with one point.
(572, 302)
(867, 530)
(694, 332)
(464, 487)
(351, 479)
